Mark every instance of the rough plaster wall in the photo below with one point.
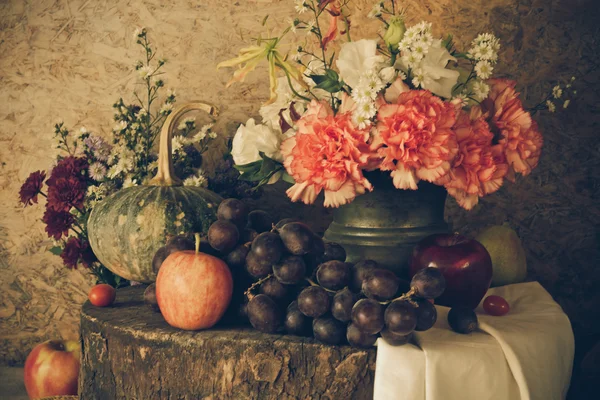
(72, 59)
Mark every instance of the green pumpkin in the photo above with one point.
(127, 228)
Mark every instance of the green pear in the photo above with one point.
(507, 253)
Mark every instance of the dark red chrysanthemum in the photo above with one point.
(71, 252)
(87, 255)
(65, 193)
(57, 223)
(69, 167)
(32, 187)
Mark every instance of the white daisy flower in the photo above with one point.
(177, 143)
(120, 126)
(166, 108)
(551, 106)
(128, 182)
(212, 135)
(480, 90)
(196, 180)
(301, 6)
(146, 72)
(138, 32)
(360, 121)
(483, 69)
(557, 92)
(418, 77)
(97, 171)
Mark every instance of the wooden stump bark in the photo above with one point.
(130, 352)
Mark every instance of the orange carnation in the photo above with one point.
(326, 154)
(479, 168)
(512, 126)
(414, 138)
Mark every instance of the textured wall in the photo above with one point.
(73, 58)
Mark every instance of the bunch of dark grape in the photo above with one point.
(304, 287)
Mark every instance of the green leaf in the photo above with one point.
(251, 167)
(317, 79)
(330, 82)
(56, 250)
(288, 178)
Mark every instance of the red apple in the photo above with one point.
(193, 289)
(52, 369)
(465, 263)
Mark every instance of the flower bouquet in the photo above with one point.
(407, 103)
(88, 168)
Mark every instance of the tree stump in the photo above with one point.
(130, 352)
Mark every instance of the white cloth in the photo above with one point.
(526, 354)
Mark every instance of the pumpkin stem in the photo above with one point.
(166, 172)
(197, 236)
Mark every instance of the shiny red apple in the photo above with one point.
(193, 289)
(52, 369)
(465, 263)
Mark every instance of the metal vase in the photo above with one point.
(384, 225)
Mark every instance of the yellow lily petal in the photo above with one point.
(240, 74)
(245, 55)
(272, 80)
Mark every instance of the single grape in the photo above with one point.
(341, 306)
(263, 313)
(400, 317)
(334, 251)
(267, 247)
(367, 315)
(274, 289)
(261, 221)
(295, 322)
(329, 330)
(360, 272)
(394, 339)
(160, 256)
(334, 275)
(179, 243)
(223, 236)
(284, 221)
(358, 338)
(380, 284)
(233, 210)
(298, 238)
(206, 248)
(255, 267)
(313, 301)
(290, 270)
(237, 258)
(150, 297)
(429, 283)
(495, 305)
(426, 315)
(462, 320)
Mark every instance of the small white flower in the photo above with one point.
(367, 109)
(120, 126)
(301, 6)
(480, 90)
(212, 135)
(97, 171)
(83, 130)
(551, 106)
(557, 92)
(146, 72)
(375, 11)
(566, 103)
(196, 180)
(309, 26)
(128, 182)
(114, 171)
(188, 121)
(166, 108)
(401, 75)
(387, 74)
(142, 113)
(483, 69)
(418, 77)
(138, 32)
(292, 24)
(460, 99)
(360, 121)
(177, 143)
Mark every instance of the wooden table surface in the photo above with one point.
(130, 352)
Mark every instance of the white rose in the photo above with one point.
(358, 58)
(251, 139)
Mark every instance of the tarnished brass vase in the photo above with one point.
(385, 224)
